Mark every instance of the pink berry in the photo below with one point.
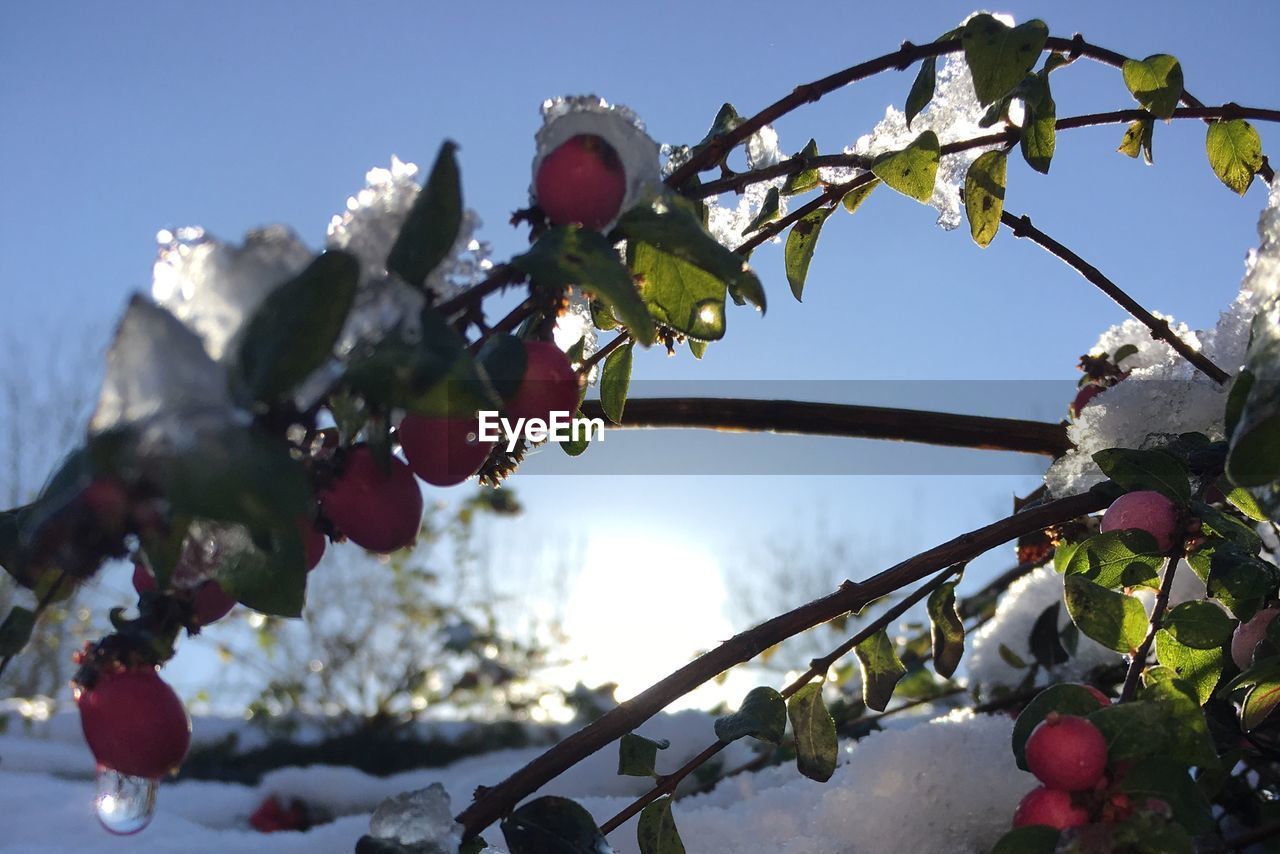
(1083, 396)
(135, 723)
(1067, 752)
(1051, 807)
(1144, 510)
(549, 384)
(581, 182)
(1249, 634)
(378, 510)
(443, 451)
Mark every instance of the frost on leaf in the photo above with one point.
(215, 287)
(156, 367)
(1164, 395)
(421, 818)
(574, 115)
(374, 216)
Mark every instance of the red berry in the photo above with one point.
(134, 723)
(1052, 807)
(1067, 752)
(313, 542)
(211, 603)
(378, 510)
(1249, 634)
(581, 182)
(1083, 396)
(443, 451)
(549, 384)
(1145, 510)
(143, 580)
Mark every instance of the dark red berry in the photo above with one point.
(134, 723)
(1050, 807)
(549, 384)
(443, 451)
(380, 510)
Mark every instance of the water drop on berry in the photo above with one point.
(124, 804)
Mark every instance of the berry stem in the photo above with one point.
(1157, 620)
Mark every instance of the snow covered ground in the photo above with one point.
(944, 785)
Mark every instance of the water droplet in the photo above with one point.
(124, 804)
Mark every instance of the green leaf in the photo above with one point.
(1241, 387)
(1199, 624)
(984, 195)
(1064, 698)
(999, 55)
(1062, 554)
(615, 379)
(854, 198)
(1186, 733)
(656, 831)
(1157, 470)
(805, 179)
(1039, 128)
(1046, 643)
(576, 447)
(762, 715)
(922, 89)
(1214, 522)
(1012, 659)
(1114, 620)
(668, 226)
(881, 670)
(637, 754)
(504, 360)
(769, 211)
(1129, 558)
(1259, 703)
(16, 630)
(697, 348)
(801, 243)
(680, 295)
(1235, 153)
(1200, 668)
(270, 576)
(815, 733)
(568, 256)
(1168, 780)
(293, 332)
(1156, 83)
(432, 225)
(946, 629)
(553, 824)
(428, 373)
(1241, 499)
(1234, 576)
(913, 170)
(1032, 839)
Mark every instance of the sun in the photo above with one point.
(641, 607)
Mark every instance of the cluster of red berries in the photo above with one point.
(272, 816)
(1068, 754)
(380, 508)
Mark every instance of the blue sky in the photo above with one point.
(120, 119)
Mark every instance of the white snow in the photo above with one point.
(960, 764)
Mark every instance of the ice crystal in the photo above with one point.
(422, 819)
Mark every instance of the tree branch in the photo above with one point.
(834, 419)
(818, 667)
(901, 59)
(1021, 227)
(493, 803)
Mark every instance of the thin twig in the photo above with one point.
(901, 59)
(847, 420)
(493, 803)
(499, 277)
(1160, 330)
(1157, 620)
(600, 355)
(792, 165)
